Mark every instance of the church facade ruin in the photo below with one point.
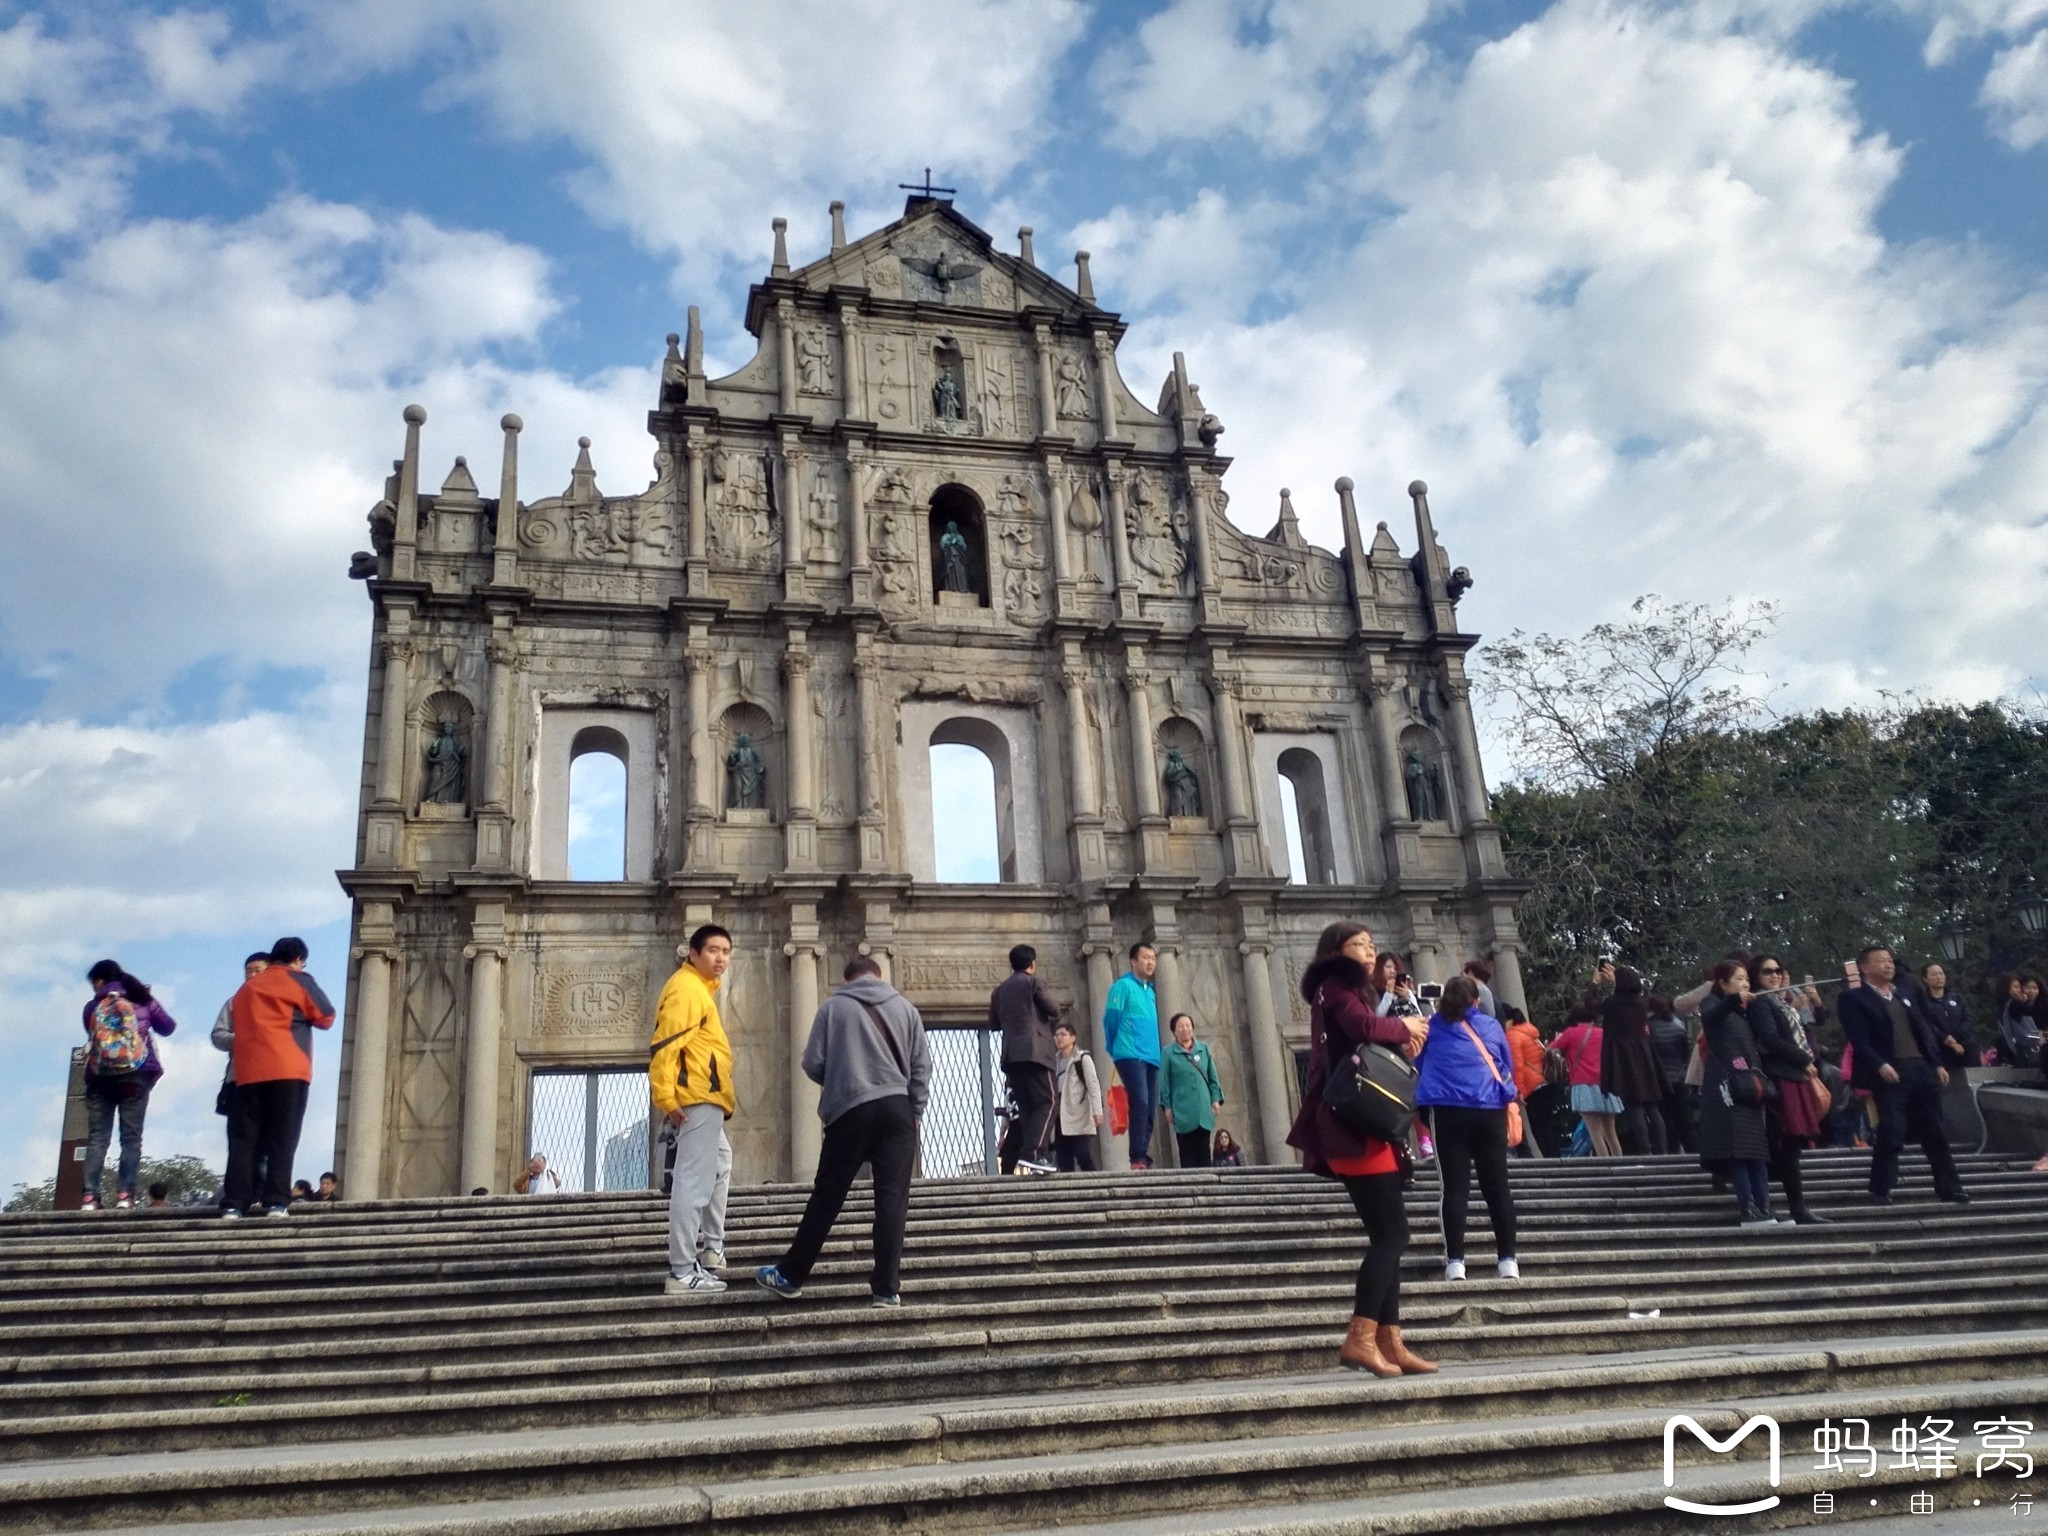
(929, 511)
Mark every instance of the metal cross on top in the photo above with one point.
(927, 190)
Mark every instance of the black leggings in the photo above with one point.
(1465, 1137)
(1377, 1197)
(1645, 1119)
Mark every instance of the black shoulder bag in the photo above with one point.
(1370, 1090)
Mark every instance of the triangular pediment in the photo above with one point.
(935, 254)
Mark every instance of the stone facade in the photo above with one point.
(929, 510)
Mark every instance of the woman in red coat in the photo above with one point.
(1339, 992)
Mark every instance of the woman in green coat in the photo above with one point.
(1190, 1092)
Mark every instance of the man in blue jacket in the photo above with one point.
(1898, 1059)
(1130, 1028)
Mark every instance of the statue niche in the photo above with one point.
(949, 387)
(444, 760)
(1180, 776)
(959, 548)
(1422, 776)
(742, 756)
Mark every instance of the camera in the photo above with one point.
(1430, 991)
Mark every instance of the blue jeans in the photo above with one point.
(1752, 1182)
(1141, 1088)
(105, 1097)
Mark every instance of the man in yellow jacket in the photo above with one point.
(689, 1075)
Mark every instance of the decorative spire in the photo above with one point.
(583, 478)
(505, 553)
(838, 210)
(406, 522)
(1024, 245)
(1288, 530)
(780, 266)
(1084, 285)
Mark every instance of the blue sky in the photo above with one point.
(1713, 299)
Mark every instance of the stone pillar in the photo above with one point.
(700, 808)
(1048, 401)
(802, 951)
(697, 571)
(494, 817)
(405, 517)
(800, 843)
(369, 1056)
(1385, 743)
(1138, 708)
(859, 572)
(1246, 852)
(1056, 508)
(1112, 1152)
(481, 1099)
(785, 356)
(1091, 856)
(505, 553)
(1269, 1055)
(868, 734)
(1507, 979)
(853, 373)
(1465, 743)
(1105, 383)
(1120, 544)
(789, 501)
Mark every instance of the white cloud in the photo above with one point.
(1633, 319)
(1274, 71)
(2016, 92)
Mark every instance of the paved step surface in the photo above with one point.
(1129, 1353)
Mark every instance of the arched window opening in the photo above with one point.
(597, 805)
(1290, 818)
(974, 828)
(1305, 808)
(965, 842)
(959, 548)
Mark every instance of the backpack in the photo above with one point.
(118, 1040)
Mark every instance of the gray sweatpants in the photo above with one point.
(697, 1188)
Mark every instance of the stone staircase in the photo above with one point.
(1127, 1354)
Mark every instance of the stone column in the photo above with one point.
(1465, 741)
(480, 1097)
(1056, 506)
(701, 791)
(867, 703)
(785, 356)
(1091, 857)
(1386, 745)
(1138, 697)
(790, 466)
(396, 701)
(698, 565)
(1230, 745)
(1105, 383)
(1048, 402)
(859, 571)
(1507, 978)
(505, 554)
(800, 832)
(1198, 527)
(370, 1055)
(802, 951)
(1269, 1056)
(405, 517)
(494, 817)
(853, 373)
(1120, 543)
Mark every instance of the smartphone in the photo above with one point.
(1852, 973)
(1430, 991)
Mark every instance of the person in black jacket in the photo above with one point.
(1734, 1138)
(1025, 1012)
(1951, 1019)
(1898, 1059)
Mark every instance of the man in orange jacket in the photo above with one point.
(275, 1014)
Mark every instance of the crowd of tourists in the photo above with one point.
(1736, 1071)
(266, 1031)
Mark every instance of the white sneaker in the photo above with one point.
(711, 1258)
(1510, 1270)
(1454, 1269)
(698, 1279)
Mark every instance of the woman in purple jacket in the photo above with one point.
(1466, 1074)
(122, 1023)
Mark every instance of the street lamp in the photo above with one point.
(2029, 908)
(1948, 933)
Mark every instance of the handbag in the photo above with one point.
(1744, 1087)
(1370, 1091)
(1514, 1105)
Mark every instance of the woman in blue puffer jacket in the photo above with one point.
(1466, 1075)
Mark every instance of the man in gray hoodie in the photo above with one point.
(868, 1055)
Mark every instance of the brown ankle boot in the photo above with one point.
(1392, 1349)
(1361, 1351)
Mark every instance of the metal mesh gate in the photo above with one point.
(960, 1129)
(592, 1125)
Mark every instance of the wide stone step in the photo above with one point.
(1033, 1466)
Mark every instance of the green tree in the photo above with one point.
(183, 1176)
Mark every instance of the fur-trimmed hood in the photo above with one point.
(1343, 970)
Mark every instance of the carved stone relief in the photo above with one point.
(1159, 531)
(743, 533)
(821, 515)
(994, 389)
(1070, 387)
(585, 1004)
(815, 373)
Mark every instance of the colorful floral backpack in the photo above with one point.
(119, 1039)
